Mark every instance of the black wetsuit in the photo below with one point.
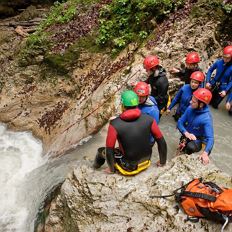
(132, 131)
(185, 74)
(159, 87)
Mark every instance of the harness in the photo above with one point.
(140, 167)
(183, 142)
(129, 168)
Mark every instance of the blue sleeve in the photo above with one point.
(229, 98)
(229, 86)
(209, 136)
(210, 71)
(183, 119)
(154, 114)
(176, 99)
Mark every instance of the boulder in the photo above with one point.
(91, 200)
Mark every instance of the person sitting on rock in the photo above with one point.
(229, 104)
(196, 126)
(191, 65)
(157, 79)
(132, 131)
(184, 95)
(222, 82)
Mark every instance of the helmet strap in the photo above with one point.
(200, 105)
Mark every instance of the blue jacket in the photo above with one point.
(183, 97)
(199, 123)
(225, 80)
(150, 107)
(229, 98)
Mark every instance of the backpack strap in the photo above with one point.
(214, 187)
(199, 195)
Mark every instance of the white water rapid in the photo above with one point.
(20, 153)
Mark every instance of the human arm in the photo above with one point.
(176, 99)
(204, 158)
(208, 136)
(181, 122)
(174, 71)
(181, 125)
(162, 146)
(229, 86)
(162, 149)
(229, 98)
(209, 73)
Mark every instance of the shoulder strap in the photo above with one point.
(213, 186)
(199, 195)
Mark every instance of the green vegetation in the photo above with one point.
(120, 23)
(227, 7)
(124, 21)
(59, 13)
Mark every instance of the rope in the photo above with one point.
(174, 191)
(162, 196)
(90, 113)
(226, 222)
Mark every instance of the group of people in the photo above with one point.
(136, 128)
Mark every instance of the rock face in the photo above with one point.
(62, 111)
(91, 200)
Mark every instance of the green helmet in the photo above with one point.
(129, 98)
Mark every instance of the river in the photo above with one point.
(26, 177)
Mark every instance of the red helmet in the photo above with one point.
(192, 58)
(198, 76)
(203, 95)
(228, 50)
(141, 89)
(150, 62)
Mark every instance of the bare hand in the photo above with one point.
(158, 164)
(174, 70)
(190, 136)
(222, 93)
(132, 84)
(208, 86)
(204, 158)
(228, 106)
(108, 171)
(168, 111)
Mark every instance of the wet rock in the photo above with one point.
(91, 200)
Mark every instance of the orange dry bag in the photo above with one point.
(206, 200)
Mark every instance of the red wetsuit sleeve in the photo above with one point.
(155, 130)
(111, 137)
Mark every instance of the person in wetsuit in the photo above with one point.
(196, 125)
(185, 93)
(191, 65)
(157, 79)
(229, 104)
(132, 130)
(221, 84)
(147, 104)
